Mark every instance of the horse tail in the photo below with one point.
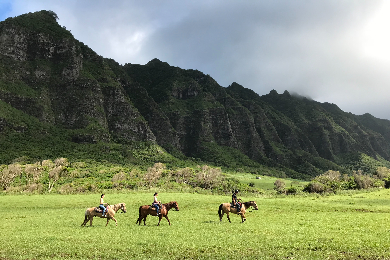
(139, 215)
(220, 211)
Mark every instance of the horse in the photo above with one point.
(146, 210)
(227, 207)
(111, 210)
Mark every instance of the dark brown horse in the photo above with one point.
(146, 210)
(111, 210)
(227, 207)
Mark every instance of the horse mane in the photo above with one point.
(248, 203)
(169, 203)
(116, 206)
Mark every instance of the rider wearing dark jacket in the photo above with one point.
(235, 201)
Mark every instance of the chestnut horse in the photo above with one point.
(227, 207)
(111, 210)
(146, 210)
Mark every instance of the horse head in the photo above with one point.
(123, 207)
(254, 205)
(175, 205)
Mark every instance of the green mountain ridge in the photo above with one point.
(59, 98)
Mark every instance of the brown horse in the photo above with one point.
(111, 210)
(227, 207)
(146, 210)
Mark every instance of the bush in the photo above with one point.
(183, 175)
(383, 173)
(8, 174)
(362, 181)
(154, 173)
(292, 190)
(315, 187)
(279, 186)
(209, 177)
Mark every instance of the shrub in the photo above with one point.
(8, 174)
(315, 187)
(328, 177)
(292, 190)
(54, 175)
(48, 164)
(61, 162)
(183, 175)
(378, 184)
(209, 177)
(121, 176)
(362, 181)
(279, 185)
(154, 173)
(383, 172)
(387, 182)
(33, 172)
(34, 187)
(67, 189)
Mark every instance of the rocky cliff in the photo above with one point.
(48, 74)
(51, 77)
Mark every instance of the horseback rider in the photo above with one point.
(235, 201)
(101, 206)
(156, 203)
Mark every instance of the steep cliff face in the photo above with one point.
(329, 130)
(50, 75)
(199, 110)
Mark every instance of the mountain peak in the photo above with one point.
(40, 22)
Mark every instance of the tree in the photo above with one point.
(55, 16)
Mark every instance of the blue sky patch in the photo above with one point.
(5, 9)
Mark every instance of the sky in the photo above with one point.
(335, 51)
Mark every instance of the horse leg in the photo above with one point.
(166, 216)
(85, 221)
(116, 222)
(90, 220)
(159, 219)
(145, 220)
(243, 218)
(227, 214)
(108, 219)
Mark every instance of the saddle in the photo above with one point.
(98, 210)
(234, 206)
(152, 207)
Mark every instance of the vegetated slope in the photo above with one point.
(51, 82)
(59, 98)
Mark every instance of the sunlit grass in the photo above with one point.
(313, 227)
(266, 182)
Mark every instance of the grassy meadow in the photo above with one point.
(348, 226)
(265, 182)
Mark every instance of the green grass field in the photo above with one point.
(354, 226)
(266, 182)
